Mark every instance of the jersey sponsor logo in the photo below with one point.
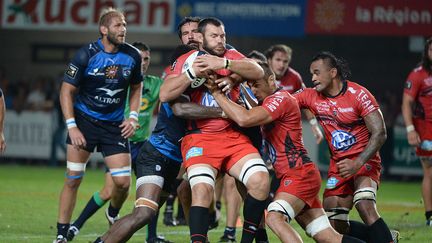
(322, 106)
(111, 92)
(209, 100)
(428, 81)
(95, 72)
(269, 151)
(344, 110)
(108, 100)
(72, 71)
(331, 183)
(287, 182)
(194, 152)
(342, 140)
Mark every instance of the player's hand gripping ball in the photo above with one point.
(187, 68)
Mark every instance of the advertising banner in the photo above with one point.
(369, 17)
(250, 18)
(147, 16)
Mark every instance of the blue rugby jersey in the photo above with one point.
(168, 132)
(103, 79)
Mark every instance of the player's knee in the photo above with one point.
(317, 225)
(74, 174)
(201, 175)
(364, 196)
(280, 210)
(254, 175)
(145, 210)
(121, 177)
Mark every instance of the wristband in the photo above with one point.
(133, 115)
(227, 63)
(70, 123)
(190, 73)
(313, 121)
(410, 128)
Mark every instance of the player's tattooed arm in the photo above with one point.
(182, 108)
(375, 124)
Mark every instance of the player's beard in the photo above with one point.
(194, 44)
(213, 51)
(113, 39)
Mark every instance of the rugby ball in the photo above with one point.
(196, 81)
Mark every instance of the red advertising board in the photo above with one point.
(369, 17)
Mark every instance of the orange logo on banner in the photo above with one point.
(329, 14)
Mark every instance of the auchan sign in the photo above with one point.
(155, 16)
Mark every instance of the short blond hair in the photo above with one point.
(107, 14)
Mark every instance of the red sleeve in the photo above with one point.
(413, 84)
(366, 102)
(177, 66)
(277, 105)
(302, 97)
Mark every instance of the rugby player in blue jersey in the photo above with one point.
(93, 97)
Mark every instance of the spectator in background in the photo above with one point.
(39, 98)
(417, 114)
(2, 117)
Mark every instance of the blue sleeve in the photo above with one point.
(137, 76)
(76, 68)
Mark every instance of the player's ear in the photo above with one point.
(271, 80)
(103, 30)
(333, 72)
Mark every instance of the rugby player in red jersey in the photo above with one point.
(212, 145)
(355, 131)
(418, 94)
(279, 58)
(297, 196)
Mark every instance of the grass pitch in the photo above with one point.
(29, 203)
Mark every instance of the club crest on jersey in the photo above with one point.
(269, 151)
(194, 152)
(126, 72)
(342, 140)
(111, 71)
(331, 183)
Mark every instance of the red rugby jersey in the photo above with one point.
(419, 86)
(203, 97)
(283, 137)
(342, 117)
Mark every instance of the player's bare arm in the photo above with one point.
(175, 84)
(244, 118)
(314, 125)
(246, 68)
(67, 92)
(131, 124)
(375, 124)
(407, 104)
(182, 108)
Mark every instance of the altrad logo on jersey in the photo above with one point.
(342, 140)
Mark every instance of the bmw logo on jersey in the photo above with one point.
(342, 140)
